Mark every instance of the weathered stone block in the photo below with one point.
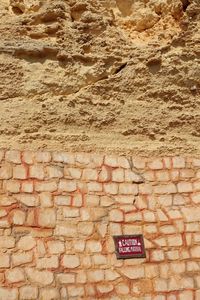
(133, 272)
(67, 230)
(111, 188)
(48, 262)
(4, 260)
(93, 246)
(128, 189)
(7, 242)
(20, 172)
(66, 278)
(89, 174)
(21, 258)
(184, 187)
(6, 171)
(47, 217)
(95, 275)
(39, 277)
(15, 275)
(28, 292)
(8, 294)
(12, 186)
(71, 261)
(13, 156)
(26, 243)
(27, 187)
(37, 171)
(116, 215)
(43, 157)
(46, 186)
(56, 247)
(191, 214)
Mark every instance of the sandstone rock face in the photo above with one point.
(84, 74)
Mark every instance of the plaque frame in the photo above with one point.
(129, 256)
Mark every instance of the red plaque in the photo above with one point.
(129, 246)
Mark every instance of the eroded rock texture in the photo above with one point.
(119, 75)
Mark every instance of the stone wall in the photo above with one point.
(59, 212)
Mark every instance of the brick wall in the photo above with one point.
(59, 211)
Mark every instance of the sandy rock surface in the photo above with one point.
(118, 76)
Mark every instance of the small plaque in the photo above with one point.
(129, 246)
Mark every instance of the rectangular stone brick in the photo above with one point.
(46, 186)
(67, 185)
(133, 273)
(15, 275)
(64, 157)
(128, 189)
(12, 186)
(72, 173)
(47, 217)
(21, 258)
(28, 157)
(160, 285)
(28, 200)
(175, 240)
(105, 174)
(195, 252)
(95, 187)
(111, 188)
(66, 278)
(191, 214)
(37, 171)
(116, 215)
(4, 260)
(5, 171)
(71, 212)
(156, 164)
(27, 187)
(92, 200)
(95, 275)
(162, 176)
(7, 242)
(43, 157)
(187, 173)
(46, 199)
(75, 291)
(111, 161)
(39, 277)
(118, 175)
(13, 156)
(71, 261)
(83, 158)
(55, 172)
(157, 255)
(196, 198)
(169, 188)
(28, 292)
(63, 200)
(56, 247)
(178, 162)
(68, 230)
(184, 187)
(20, 172)
(145, 189)
(47, 262)
(8, 294)
(89, 174)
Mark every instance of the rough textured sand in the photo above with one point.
(118, 76)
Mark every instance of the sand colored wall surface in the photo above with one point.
(90, 75)
(59, 212)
